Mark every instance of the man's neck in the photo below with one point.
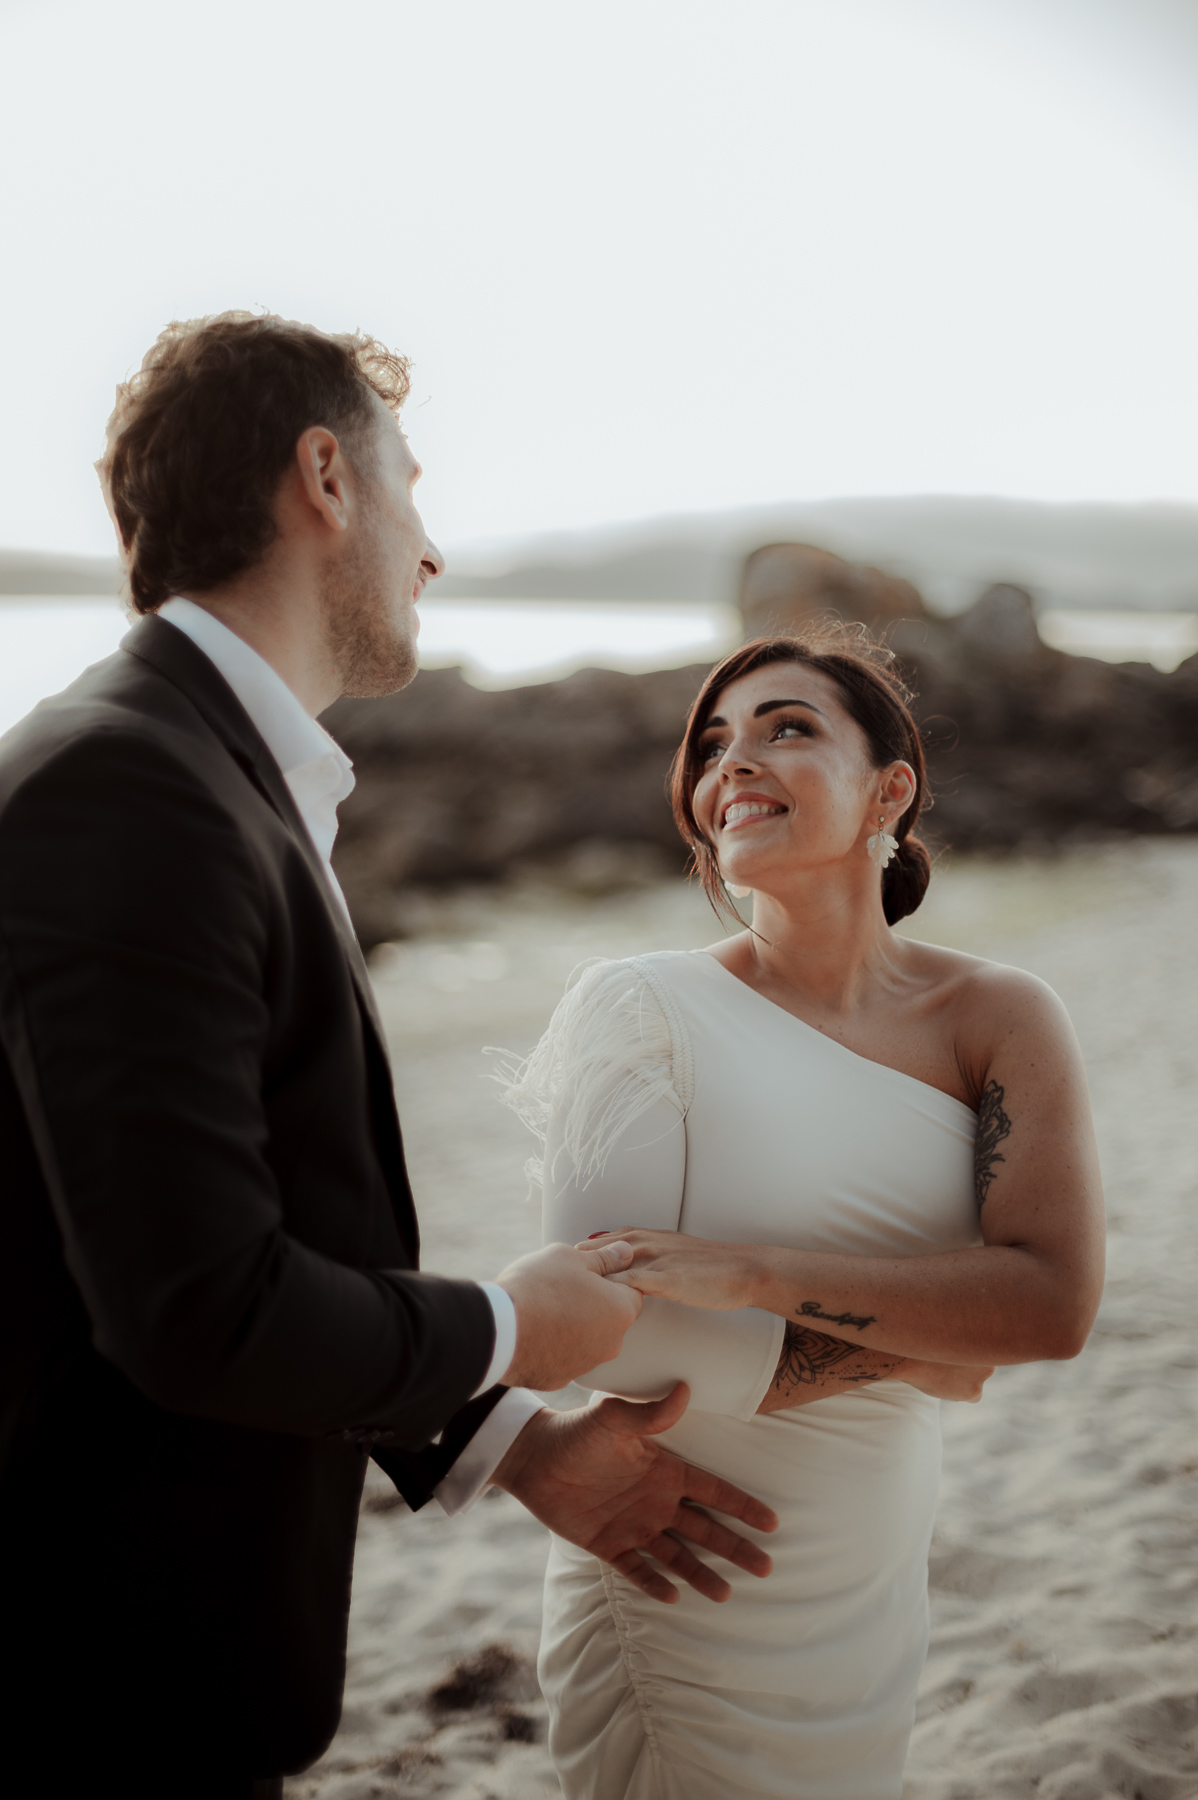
(278, 614)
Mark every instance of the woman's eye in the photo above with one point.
(782, 729)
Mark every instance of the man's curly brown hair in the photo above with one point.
(201, 436)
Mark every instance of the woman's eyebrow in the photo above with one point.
(759, 712)
(769, 706)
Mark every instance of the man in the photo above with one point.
(210, 1309)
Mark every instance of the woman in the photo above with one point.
(862, 1173)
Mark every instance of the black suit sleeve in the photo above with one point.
(133, 942)
(416, 1474)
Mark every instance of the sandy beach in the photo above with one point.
(1064, 1579)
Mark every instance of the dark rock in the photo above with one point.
(495, 1676)
(516, 1727)
(1029, 745)
(457, 784)
(1001, 626)
(787, 585)
(1026, 747)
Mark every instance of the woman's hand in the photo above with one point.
(945, 1381)
(694, 1271)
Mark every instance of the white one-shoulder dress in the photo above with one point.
(669, 1094)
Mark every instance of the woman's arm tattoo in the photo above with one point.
(994, 1127)
(811, 1309)
(809, 1357)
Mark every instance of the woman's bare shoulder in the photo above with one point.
(989, 1002)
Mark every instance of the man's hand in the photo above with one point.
(594, 1478)
(568, 1317)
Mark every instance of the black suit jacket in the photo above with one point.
(209, 1310)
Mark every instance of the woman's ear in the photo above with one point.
(897, 785)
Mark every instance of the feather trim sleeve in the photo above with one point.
(615, 1046)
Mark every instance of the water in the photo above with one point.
(1161, 638)
(46, 640)
(501, 643)
(45, 643)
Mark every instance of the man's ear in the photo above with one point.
(324, 476)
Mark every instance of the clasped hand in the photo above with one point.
(669, 1265)
(570, 1316)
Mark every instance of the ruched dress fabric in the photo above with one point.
(669, 1094)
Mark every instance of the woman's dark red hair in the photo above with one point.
(872, 694)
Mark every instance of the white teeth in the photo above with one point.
(748, 809)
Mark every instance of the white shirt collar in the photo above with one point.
(315, 767)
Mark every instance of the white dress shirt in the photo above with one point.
(320, 776)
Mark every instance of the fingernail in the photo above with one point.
(595, 1234)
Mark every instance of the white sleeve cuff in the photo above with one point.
(728, 1359)
(473, 1470)
(504, 1309)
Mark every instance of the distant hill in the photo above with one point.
(41, 572)
(1095, 555)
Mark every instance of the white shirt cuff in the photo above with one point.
(504, 1309)
(473, 1470)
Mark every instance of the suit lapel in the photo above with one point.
(270, 780)
(174, 655)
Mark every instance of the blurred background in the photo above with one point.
(720, 316)
(723, 314)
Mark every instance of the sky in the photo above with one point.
(646, 255)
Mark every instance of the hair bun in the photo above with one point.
(906, 880)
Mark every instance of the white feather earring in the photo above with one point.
(881, 847)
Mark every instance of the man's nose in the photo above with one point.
(432, 563)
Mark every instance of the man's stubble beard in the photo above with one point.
(371, 655)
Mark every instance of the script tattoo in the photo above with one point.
(807, 1356)
(994, 1127)
(811, 1309)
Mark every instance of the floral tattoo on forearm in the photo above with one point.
(994, 1127)
(809, 1358)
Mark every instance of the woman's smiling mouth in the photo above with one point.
(739, 812)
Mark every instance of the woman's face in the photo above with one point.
(786, 780)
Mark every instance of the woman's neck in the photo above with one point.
(825, 940)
